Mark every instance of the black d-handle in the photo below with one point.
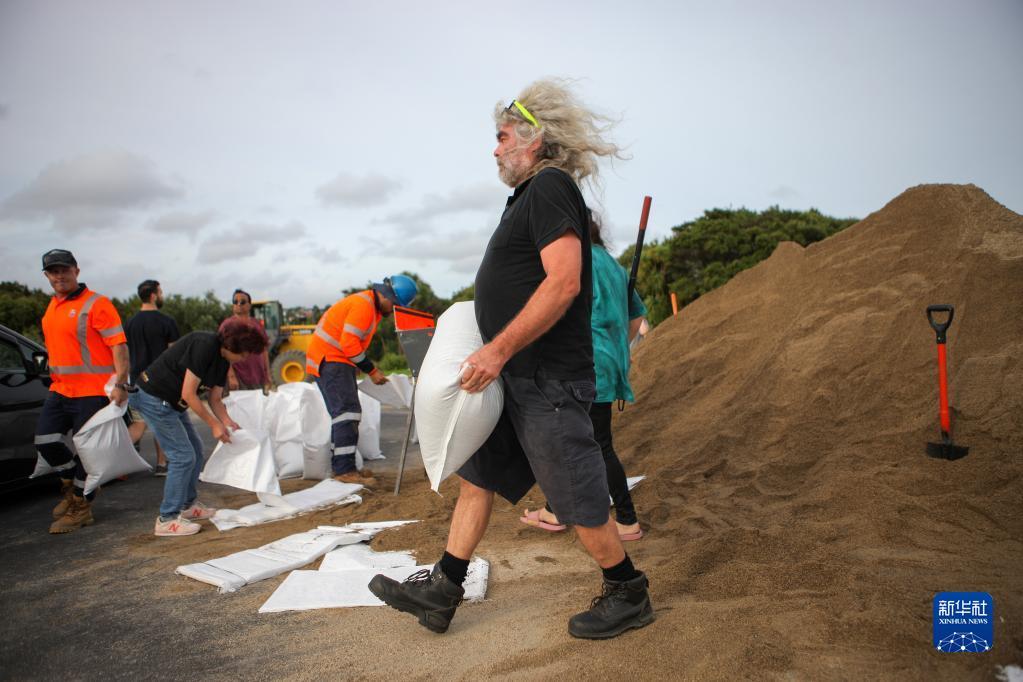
(940, 327)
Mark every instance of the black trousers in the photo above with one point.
(625, 511)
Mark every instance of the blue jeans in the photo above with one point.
(180, 442)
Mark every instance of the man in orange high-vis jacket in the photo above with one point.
(85, 344)
(336, 354)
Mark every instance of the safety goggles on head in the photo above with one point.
(524, 112)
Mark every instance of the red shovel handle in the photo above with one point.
(940, 329)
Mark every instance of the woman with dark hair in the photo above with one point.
(614, 320)
(169, 387)
(254, 371)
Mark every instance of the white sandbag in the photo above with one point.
(247, 462)
(315, 418)
(288, 458)
(43, 467)
(452, 423)
(316, 462)
(246, 408)
(274, 507)
(105, 448)
(282, 414)
(369, 429)
(397, 392)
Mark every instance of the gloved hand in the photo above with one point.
(377, 377)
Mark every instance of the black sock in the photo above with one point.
(621, 572)
(454, 568)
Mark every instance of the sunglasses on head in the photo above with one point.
(523, 111)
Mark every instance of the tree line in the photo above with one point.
(697, 257)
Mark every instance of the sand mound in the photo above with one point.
(783, 419)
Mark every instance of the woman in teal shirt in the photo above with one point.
(615, 321)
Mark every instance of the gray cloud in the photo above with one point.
(246, 240)
(4, 111)
(351, 190)
(460, 250)
(182, 222)
(479, 197)
(89, 191)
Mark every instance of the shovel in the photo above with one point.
(946, 449)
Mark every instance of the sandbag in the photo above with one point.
(247, 462)
(369, 430)
(288, 459)
(246, 408)
(105, 448)
(452, 423)
(397, 392)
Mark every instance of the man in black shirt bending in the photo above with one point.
(533, 295)
(149, 334)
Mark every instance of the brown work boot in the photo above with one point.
(67, 492)
(79, 514)
(363, 477)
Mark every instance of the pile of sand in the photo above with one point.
(794, 524)
(783, 419)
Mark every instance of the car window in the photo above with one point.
(10, 357)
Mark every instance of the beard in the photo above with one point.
(510, 172)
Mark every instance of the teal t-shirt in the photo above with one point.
(610, 323)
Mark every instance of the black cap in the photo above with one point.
(58, 257)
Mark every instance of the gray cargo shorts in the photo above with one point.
(545, 436)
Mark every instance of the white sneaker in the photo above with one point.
(178, 526)
(197, 512)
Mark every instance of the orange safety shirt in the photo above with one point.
(344, 332)
(79, 330)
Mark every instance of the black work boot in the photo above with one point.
(431, 596)
(621, 606)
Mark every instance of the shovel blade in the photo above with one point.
(948, 451)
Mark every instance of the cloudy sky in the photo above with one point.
(299, 148)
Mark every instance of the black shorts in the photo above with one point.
(545, 436)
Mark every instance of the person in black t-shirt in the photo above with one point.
(149, 334)
(169, 387)
(533, 295)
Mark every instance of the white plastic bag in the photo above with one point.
(104, 446)
(452, 423)
(246, 407)
(288, 459)
(397, 392)
(369, 429)
(247, 462)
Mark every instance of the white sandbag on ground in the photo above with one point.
(369, 430)
(288, 457)
(361, 556)
(306, 590)
(247, 462)
(252, 565)
(316, 462)
(246, 408)
(324, 494)
(104, 446)
(452, 423)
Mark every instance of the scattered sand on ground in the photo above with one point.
(794, 525)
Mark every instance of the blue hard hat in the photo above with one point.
(399, 289)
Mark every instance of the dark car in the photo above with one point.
(24, 385)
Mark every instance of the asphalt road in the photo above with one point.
(53, 628)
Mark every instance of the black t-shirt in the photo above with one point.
(540, 211)
(149, 333)
(197, 351)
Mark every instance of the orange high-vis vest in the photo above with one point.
(79, 331)
(344, 332)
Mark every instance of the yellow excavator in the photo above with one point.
(288, 342)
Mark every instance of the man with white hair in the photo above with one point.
(533, 297)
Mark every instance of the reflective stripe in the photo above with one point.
(79, 483)
(345, 450)
(48, 438)
(309, 364)
(366, 297)
(358, 358)
(83, 329)
(352, 329)
(64, 467)
(107, 333)
(322, 333)
(347, 417)
(82, 369)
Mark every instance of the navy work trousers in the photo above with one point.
(341, 393)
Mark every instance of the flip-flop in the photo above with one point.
(532, 518)
(627, 537)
